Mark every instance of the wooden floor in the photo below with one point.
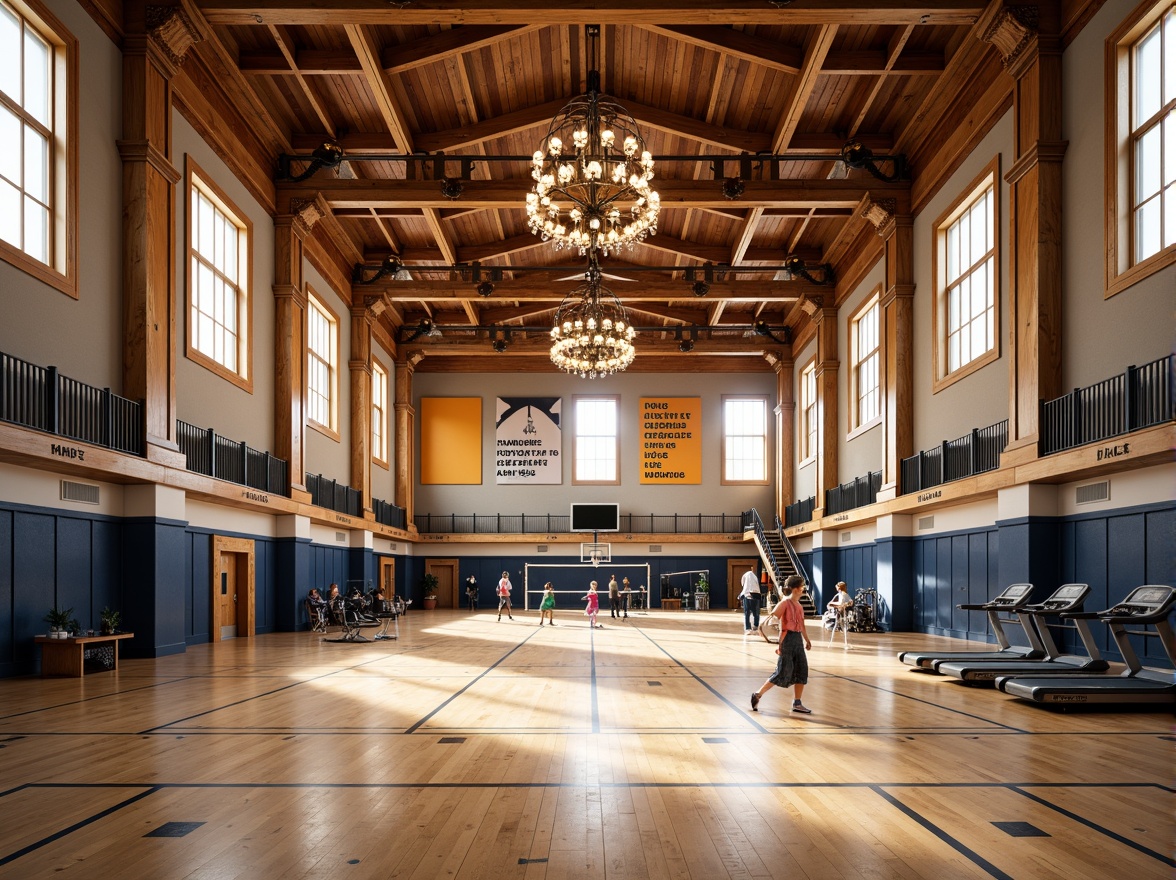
(471, 748)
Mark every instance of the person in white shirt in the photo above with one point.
(504, 588)
(751, 600)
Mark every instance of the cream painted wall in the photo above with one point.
(384, 478)
(37, 488)
(982, 398)
(709, 497)
(1102, 337)
(203, 398)
(1154, 485)
(324, 454)
(862, 454)
(954, 519)
(82, 337)
(229, 520)
(804, 477)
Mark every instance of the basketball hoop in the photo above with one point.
(595, 553)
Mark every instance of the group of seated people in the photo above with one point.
(351, 611)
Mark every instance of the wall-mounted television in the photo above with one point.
(602, 517)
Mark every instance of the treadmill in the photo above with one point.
(1145, 605)
(1066, 599)
(1012, 599)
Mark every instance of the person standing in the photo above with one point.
(472, 592)
(504, 589)
(626, 595)
(750, 595)
(547, 606)
(614, 597)
(792, 665)
(593, 606)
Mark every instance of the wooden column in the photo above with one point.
(825, 319)
(895, 224)
(405, 432)
(1028, 40)
(157, 38)
(785, 411)
(290, 339)
(360, 365)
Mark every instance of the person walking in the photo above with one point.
(614, 596)
(750, 595)
(593, 606)
(792, 665)
(504, 589)
(472, 592)
(547, 606)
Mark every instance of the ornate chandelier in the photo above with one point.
(592, 175)
(592, 336)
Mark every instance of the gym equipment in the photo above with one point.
(1149, 604)
(1012, 599)
(863, 616)
(1066, 599)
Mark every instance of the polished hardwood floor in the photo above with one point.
(472, 748)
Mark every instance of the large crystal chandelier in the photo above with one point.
(592, 175)
(592, 336)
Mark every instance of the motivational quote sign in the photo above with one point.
(527, 441)
(671, 440)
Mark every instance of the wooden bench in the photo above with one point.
(671, 604)
(68, 656)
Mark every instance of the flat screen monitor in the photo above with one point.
(596, 517)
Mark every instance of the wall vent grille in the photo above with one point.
(845, 537)
(655, 548)
(1093, 492)
(340, 536)
(541, 548)
(926, 522)
(83, 493)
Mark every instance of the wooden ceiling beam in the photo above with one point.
(687, 126)
(644, 363)
(368, 53)
(878, 62)
(285, 42)
(528, 290)
(489, 129)
(893, 51)
(737, 44)
(309, 62)
(438, 47)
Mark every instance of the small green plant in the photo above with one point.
(59, 619)
(109, 621)
(430, 583)
(703, 585)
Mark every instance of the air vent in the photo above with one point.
(845, 536)
(655, 548)
(83, 493)
(541, 548)
(926, 522)
(392, 546)
(1093, 492)
(340, 536)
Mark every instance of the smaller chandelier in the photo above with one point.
(592, 175)
(592, 337)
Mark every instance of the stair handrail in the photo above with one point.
(792, 554)
(757, 525)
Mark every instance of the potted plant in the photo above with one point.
(702, 593)
(429, 583)
(109, 621)
(59, 621)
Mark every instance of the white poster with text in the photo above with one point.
(527, 441)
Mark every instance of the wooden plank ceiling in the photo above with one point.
(711, 85)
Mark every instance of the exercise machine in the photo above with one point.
(1014, 597)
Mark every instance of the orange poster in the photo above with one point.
(451, 441)
(671, 440)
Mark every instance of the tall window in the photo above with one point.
(745, 440)
(866, 357)
(808, 411)
(219, 271)
(1141, 145)
(322, 370)
(38, 150)
(597, 441)
(379, 413)
(967, 281)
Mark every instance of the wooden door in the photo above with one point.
(233, 590)
(446, 572)
(388, 577)
(735, 570)
(227, 596)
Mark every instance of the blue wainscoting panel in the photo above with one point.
(951, 570)
(7, 602)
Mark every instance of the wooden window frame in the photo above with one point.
(810, 435)
(380, 456)
(724, 479)
(576, 434)
(943, 376)
(196, 179)
(856, 427)
(319, 303)
(61, 272)
(1121, 270)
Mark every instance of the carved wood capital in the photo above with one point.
(880, 212)
(306, 213)
(811, 304)
(1011, 29)
(172, 32)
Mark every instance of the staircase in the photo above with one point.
(779, 557)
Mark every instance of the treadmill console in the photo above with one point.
(1142, 600)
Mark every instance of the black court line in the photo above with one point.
(146, 687)
(959, 847)
(1094, 826)
(705, 684)
(595, 701)
(45, 841)
(470, 684)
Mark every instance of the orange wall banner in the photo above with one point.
(451, 441)
(671, 440)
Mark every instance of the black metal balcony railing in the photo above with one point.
(1138, 398)
(856, 493)
(42, 399)
(799, 511)
(974, 453)
(334, 495)
(211, 454)
(631, 523)
(388, 514)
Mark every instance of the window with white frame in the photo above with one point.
(866, 357)
(379, 413)
(808, 411)
(322, 370)
(597, 440)
(745, 440)
(38, 144)
(1141, 145)
(966, 261)
(219, 272)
